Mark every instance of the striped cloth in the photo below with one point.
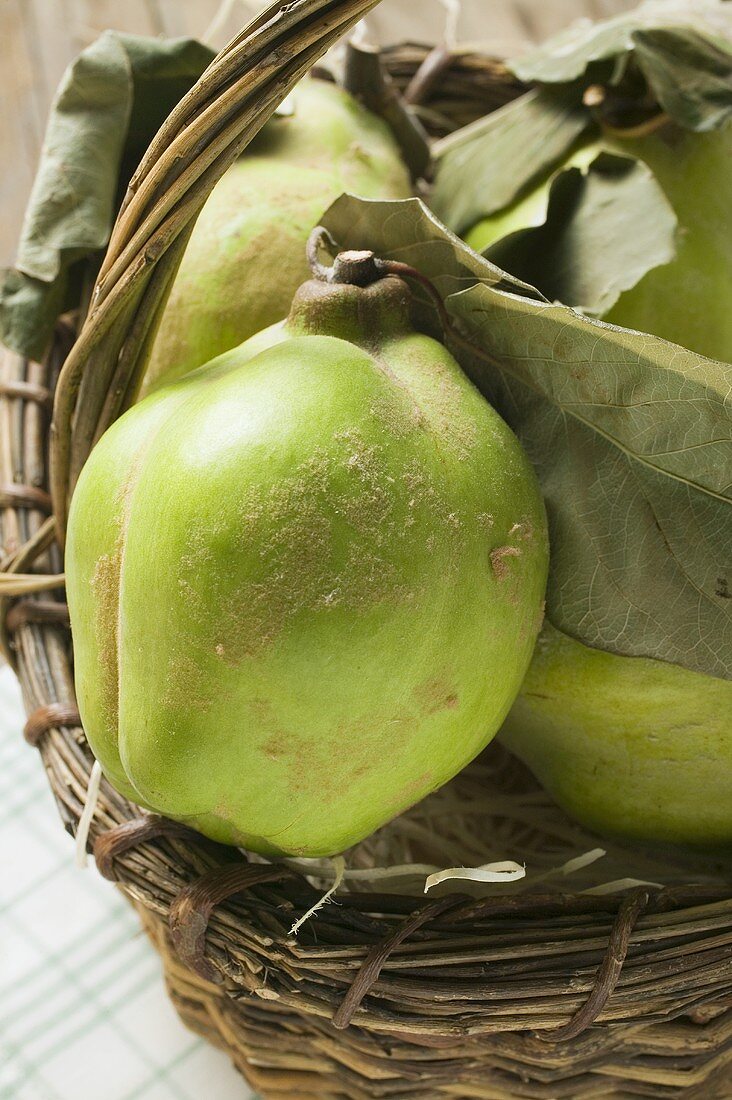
(83, 1011)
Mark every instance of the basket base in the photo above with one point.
(286, 1056)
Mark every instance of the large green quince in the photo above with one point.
(246, 256)
(305, 581)
(686, 300)
(628, 745)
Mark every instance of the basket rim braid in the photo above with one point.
(527, 995)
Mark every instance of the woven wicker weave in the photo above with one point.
(529, 995)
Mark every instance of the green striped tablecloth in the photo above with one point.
(83, 1011)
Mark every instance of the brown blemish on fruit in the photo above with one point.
(414, 790)
(436, 694)
(263, 712)
(278, 744)
(358, 748)
(399, 420)
(105, 587)
(498, 560)
(187, 686)
(275, 748)
(530, 624)
(332, 535)
(458, 433)
(437, 389)
(105, 584)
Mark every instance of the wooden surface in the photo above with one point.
(38, 38)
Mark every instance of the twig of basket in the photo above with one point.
(366, 78)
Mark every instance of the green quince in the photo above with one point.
(629, 746)
(305, 581)
(246, 255)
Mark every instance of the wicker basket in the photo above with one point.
(524, 995)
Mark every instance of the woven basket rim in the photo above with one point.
(627, 960)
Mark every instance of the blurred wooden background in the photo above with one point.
(38, 38)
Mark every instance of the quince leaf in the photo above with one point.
(603, 230)
(690, 75)
(485, 166)
(109, 105)
(683, 48)
(631, 437)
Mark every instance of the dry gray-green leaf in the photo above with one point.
(682, 47)
(483, 167)
(110, 103)
(690, 74)
(604, 229)
(566, 55)
(631, 437)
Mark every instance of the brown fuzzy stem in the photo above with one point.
(604, 104)
(353, 268)
(404, 271)
(643, 129)
(362, 268)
